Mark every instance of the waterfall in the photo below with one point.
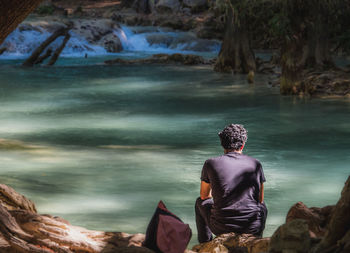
(158, 40)
(136, 40)
(20, 44)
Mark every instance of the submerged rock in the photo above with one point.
(185, 59)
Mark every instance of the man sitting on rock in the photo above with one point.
(232, 192)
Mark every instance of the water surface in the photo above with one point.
(103, 144)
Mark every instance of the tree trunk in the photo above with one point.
(12, 13)
(59, 50)
(307, 45)
(235, 54)
(2, 50)
(37, 52)
(44, 57)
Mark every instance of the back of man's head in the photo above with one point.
(233, 137)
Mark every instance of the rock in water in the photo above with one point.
(111, 43)
(185, 59)
(250, 76)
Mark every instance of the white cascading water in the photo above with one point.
(20, 44)
(149, 40)
(156, 40)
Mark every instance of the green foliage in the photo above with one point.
(45, 10)
(279, 25)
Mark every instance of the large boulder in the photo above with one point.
(317, 218)
(111, 43)
(167, 6)
(291, 237)
(99, 32)
(93, 30)
(232, 242)
(337, 237)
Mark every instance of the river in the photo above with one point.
(106, 143)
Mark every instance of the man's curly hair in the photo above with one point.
(233, 137)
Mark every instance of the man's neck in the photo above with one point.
(232, 150)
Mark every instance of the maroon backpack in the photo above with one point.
(166, 233)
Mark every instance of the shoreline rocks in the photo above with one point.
(22, 229)
(307, 230)
(183, 59)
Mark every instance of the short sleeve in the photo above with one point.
(261, 175)
(204, 176)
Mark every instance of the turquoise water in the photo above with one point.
(103, 144)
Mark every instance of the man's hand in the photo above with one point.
(261, 197)
(205, 191)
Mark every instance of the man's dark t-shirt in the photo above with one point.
(235, 180)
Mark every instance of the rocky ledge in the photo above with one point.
(307, 230)
(182, 59)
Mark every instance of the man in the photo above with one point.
(232, 191)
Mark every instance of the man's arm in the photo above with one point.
(205, 191)
(261, 197)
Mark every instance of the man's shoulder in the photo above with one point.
(215, 159)
(250, 158)
(220, 158)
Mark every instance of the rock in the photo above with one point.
(292, 237)
(28, 27)
(186, 59)
(111, 43)
(212, 27)
(174, 23)
(338, 229)
(99, 32)
(12, 200)
(93, 30)
(250, 76)
(159, 38)
(23, 230)
(317, 218)
(232, 242)
(166, 6)
(331, 82)
(196, 5)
